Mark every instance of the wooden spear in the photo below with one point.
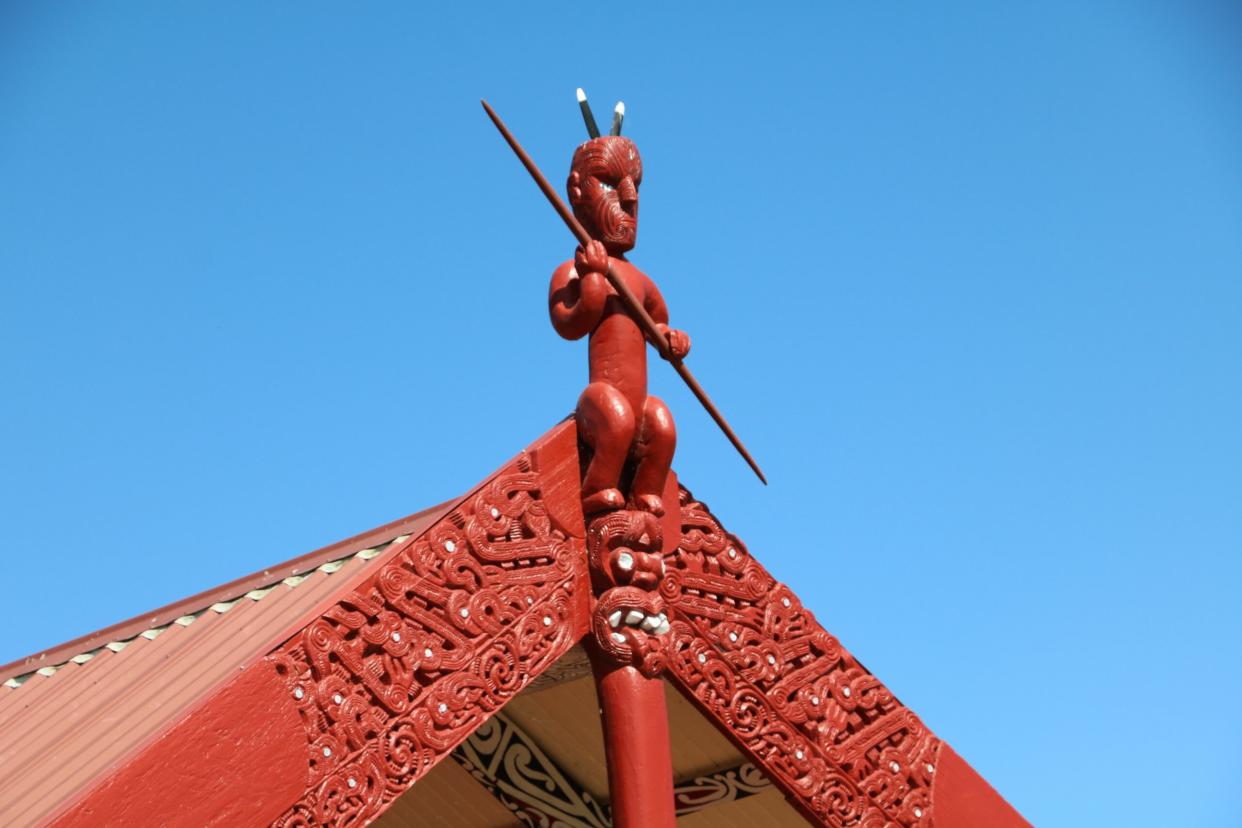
(637, 311)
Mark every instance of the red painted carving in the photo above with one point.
(396, 674)
(825, 730)
(615, 416)
(629, 439)
(628, 621)
(629, 436)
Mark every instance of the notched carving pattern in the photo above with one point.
(822, 727)
(399, 672)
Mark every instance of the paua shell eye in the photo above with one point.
(608, 188)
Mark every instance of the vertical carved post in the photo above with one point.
(627, 443)
(627, 649)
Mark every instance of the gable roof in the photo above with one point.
(319, 690)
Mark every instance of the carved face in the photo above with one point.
(603, 190)
(629, 620)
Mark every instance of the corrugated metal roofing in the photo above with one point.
(90, 704)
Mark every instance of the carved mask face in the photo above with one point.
(603, 189)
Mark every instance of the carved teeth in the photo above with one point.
(655, 624)
(618, 637)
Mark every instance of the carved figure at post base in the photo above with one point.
(629, 622)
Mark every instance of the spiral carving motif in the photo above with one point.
(456, 622)
(825, 730)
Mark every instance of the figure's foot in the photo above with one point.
(652, 504)
(605, 500)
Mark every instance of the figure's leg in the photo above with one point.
(606, 422)
(657, 439)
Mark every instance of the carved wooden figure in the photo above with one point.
(615, 416)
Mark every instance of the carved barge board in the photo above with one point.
(844, 750)
(386, 679)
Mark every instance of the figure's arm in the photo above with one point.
(653, 303)
(578, 292)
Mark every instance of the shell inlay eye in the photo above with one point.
(608, 188)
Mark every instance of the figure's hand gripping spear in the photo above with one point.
(632, 304)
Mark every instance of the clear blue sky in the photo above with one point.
(968, 281)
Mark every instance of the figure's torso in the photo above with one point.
(618, 350)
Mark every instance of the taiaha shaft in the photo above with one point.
(631, 303)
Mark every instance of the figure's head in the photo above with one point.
(603, 190)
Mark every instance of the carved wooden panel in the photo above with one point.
(458, 621)
(826, 731)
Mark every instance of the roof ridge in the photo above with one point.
(219, 607)
(291, 572)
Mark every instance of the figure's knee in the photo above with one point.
(659, 434)
(657, 440)
(605, 416)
